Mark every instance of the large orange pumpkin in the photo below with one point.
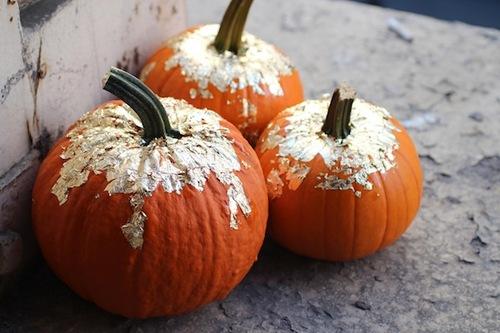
(145, 220)
(241, 77)
(344, 178)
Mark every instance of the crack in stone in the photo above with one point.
(11, 82)
(486, 169)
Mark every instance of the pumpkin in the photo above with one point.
(150, 208)
(344, 178)
(219, 67)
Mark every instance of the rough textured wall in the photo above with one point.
(53, 56)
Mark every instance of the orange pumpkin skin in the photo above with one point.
(248, 110)
(337, 225)
(190, 256)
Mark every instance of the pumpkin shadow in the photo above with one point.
(40, 302)
(275, 261)
(284, 289)
(280, 285)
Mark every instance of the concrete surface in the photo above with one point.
(53, 55)
(444, 274)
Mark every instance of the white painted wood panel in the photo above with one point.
(16, 103)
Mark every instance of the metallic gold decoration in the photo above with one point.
(257, 65)
(272, 139)
(249, 112)
(134, 229)
(108, 140)
(274, 184)
(367, 149)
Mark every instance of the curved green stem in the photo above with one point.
(338, 118)
(223, 38)
(239, 26)
(153, 98)
(232, 26)
(143, 101)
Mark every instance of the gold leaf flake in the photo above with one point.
(369, 148)
(272, 139)
(108, 140)
(134, 229)
(249, 113)
(258, 64)
(274, 184)
(192, 93)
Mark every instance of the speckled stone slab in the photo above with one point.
(444, 274)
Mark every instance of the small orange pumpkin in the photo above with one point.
(144, 219)
(241, 77)
(344, 178)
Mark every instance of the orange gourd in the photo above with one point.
(344, 178)
(244, 79)
(147, 214)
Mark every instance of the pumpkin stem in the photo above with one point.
(338, 118)
(232, 26)
(143, 101)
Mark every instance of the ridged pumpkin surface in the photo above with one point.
(247, 89)
(339, 200)
(192, 250)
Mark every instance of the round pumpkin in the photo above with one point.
(150, 208)
(219, 67)
(344, 178)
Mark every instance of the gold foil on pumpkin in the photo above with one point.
(274, 184)
(272, 139)
(193, 93)
(293, 171)
(108, 141)
(134, 229)
(296, 174)
(249, 110)
(369, 148)
(257, 65)
(249, 114)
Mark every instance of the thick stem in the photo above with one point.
(232, 26)
(143, 101)
(154, 98)
(338, 118)
(239, 26)
(223, 38)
